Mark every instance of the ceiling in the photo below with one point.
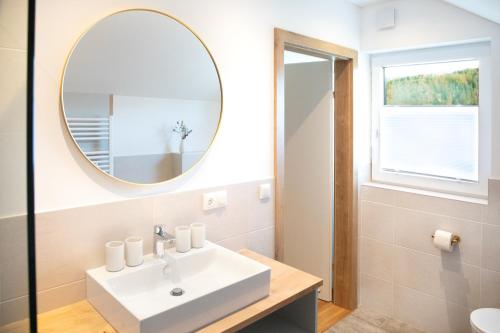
(363, 3)
(489, 9)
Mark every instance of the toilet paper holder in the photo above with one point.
(455, 239)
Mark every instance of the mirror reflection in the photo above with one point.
(141, 96)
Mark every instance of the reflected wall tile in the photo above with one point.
(13, 257)
(13, 24)
(13, 310)
(13, 88)
(60, 296)
(13, 177)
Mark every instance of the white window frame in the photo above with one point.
(471, 51)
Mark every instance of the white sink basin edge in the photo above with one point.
(216, 281)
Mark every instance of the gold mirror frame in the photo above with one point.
(61, 95)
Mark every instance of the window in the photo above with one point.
(430, 110)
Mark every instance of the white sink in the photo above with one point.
(215, 281)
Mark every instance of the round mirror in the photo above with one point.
(141, 96)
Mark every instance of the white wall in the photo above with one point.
(401, 273)
(86, 104)
(240, 36)
(143, 125)
(429, 23)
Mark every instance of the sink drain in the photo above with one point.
(176, 292)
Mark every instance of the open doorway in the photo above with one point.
(315, 177)
(308, 192)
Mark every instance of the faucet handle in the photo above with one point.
(160, 229)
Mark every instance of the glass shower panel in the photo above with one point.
(14, 298)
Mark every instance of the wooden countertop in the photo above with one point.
(287, 285)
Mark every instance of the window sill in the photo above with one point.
(428, 193)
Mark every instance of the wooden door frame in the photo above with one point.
(345, 279)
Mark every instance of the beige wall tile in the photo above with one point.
(229, 221)
(377, 221)
(185, 208)
(13, 176)
(13, 258)
(377, 259)
(13, 23)
(235, 243)
(56, 297)
(377, 295)
(174, 209)
(491, 247)
(13, 88)
(442, 206)
(72, 241)
(424, 202)
(262, 241)
(493, 210)
(490, 289)
(429, 313)
(13, 310)
(260, 212)
(414, 230)
(380, 195)
(447, 279)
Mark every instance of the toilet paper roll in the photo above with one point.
(442, 240)
(197, 235)
(115, 253)
(134, 251)
(182, 238)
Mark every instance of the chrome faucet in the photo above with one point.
(161, 236)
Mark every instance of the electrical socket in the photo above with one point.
(214, 200)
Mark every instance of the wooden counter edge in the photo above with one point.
(258, 310)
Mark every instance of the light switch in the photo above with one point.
(264, 191)
(214, 200)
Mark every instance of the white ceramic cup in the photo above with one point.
(182, 238)
(134, 251)
(115, 253)
(198, 235)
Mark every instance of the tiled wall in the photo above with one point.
(13, 269)
(403, 275)
(13, 18)
(13, 251)
(70, 241)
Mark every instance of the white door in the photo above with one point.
(308, 188)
